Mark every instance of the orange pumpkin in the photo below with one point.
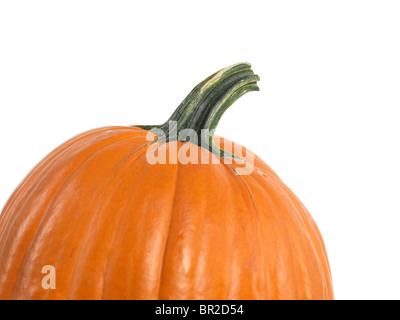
(115, 226)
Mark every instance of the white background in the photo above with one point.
(326, 118)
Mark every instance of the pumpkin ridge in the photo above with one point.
(312, 244)
(316, 236)
(13, 216)
(287, 240)
(117, 166)
(193, 285)
(42, 166)
(169, 228)
(284, 189)
(309, 237)
(52, 202)
(33, 188)
(313, 225)
(38, 169)
(45, 163)
(260, 237)
(155, 218)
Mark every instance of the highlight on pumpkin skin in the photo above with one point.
(191, 152)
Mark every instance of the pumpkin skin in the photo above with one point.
(116, 227)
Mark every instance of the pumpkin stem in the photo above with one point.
(200, 112)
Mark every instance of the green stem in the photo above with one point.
(206, 103)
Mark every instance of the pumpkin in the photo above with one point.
(114, 225)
